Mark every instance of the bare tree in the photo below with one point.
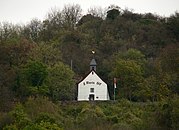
(55, 17)
(32, 30)
(71, 15)
(97, 12)
(8, 31)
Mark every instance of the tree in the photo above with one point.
(60, 82)
(97, 12)
(173, 25)
(128, 14)
(130, 75)
(133, 54)
(7, 81)
(90, 26)
(71, 15)
(89, 20)
(52, 26)
(32, 79)
(113, 12)
(9, 33)
(32, 30)
(19, 52)
(71, 46)
(129, 69)
(168, 60)
(36, 73)
(154, 88)
(13, 55)
(150, 36)
(47, 53)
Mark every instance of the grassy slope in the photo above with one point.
(119, 115)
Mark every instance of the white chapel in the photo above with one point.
(92, 87)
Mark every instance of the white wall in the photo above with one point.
(92, 81)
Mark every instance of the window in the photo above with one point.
(92, 90)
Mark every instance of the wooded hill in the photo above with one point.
(140, 50)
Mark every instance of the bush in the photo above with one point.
(20, 118)
(10, 127)
(175, 113)
(4, 119)
(35, 106)
(43, 126)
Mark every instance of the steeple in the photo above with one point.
(93, 65)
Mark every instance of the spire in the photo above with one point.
(93, 64)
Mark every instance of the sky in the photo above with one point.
(23, 11)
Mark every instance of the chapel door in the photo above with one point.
(91, 97)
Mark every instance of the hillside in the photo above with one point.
(110, 115)
(43, 60)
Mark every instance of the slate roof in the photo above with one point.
(93, 62)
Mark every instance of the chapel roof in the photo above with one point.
(93, 62)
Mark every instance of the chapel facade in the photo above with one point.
(92, 87)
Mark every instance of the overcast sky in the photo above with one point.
(22, 11)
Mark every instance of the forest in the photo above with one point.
(41, 62)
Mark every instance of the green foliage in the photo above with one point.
(175, 113)
(46, 53)
(37, 113)
(133, 54)
(43, 122)
(168, 62)
(43, 126)
(36, 73)
(140, 50)
(154, 88)
(168, 114)
(44, 117)
(19, 117)
(129, 75)
(121, 114)
(37, 106)
(90, 111)
(10, 127)
(60, 82)
(31, 79)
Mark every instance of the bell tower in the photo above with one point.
(93, 62)
(93, 65)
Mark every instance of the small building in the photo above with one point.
(92, 87)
